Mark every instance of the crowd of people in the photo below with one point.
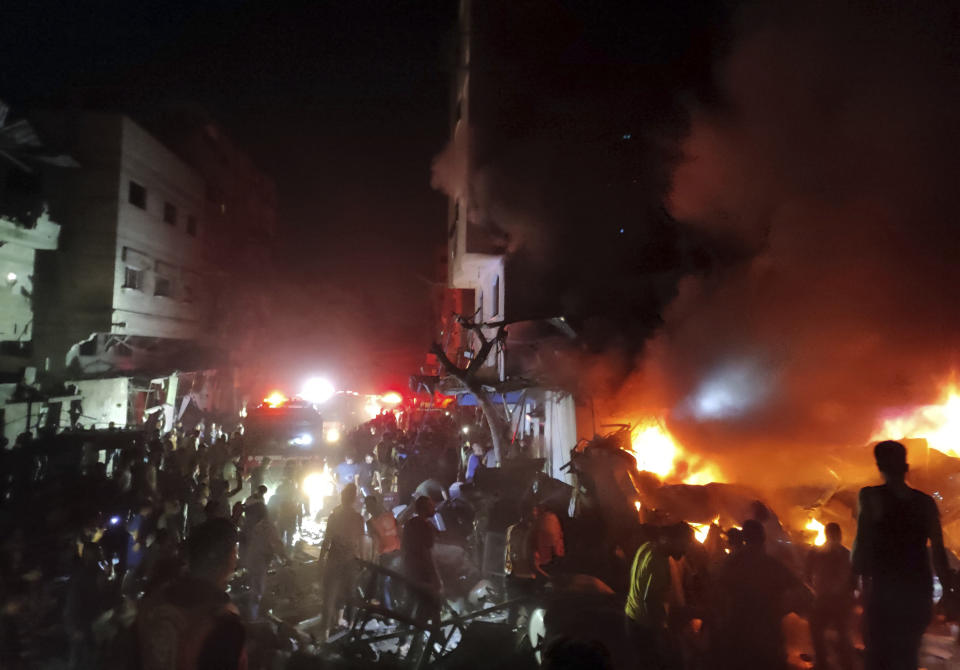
(137, 538)
(141, 543)
(167, 524)
(736, 624)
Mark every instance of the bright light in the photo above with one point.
(818, 528)
(465, 429)
(275, 399)
(730, 391)
(317, 390)
(372, 407)
(332, 435)
(939, 424)
(391, 398)
(304, 440)
(11, 277)
(318, 486)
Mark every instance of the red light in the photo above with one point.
(391, 398)
(275, 399)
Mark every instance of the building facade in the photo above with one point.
(479, 265)
(124, 291)
(239, 233)
(114, 317)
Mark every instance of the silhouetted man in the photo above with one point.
(894, 524)
(754, 592)
(416, 547)
(828, 571)
(190, 623)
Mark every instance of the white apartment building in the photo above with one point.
(125, 285)
(477, 260)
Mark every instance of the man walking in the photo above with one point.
(894, 525)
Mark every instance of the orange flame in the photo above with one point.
(656, 451)
(939, 424)
(818, 528)
(701, 530)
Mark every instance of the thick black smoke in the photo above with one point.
(831, 163)
(565, 154)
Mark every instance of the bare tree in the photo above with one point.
(498, 422)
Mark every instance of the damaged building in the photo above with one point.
(113, 308)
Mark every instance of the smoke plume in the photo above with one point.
(831, 165)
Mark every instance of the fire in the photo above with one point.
(818, 528)
(701, 530)
(656, 451)
(939, 424)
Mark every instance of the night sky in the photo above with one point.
(344, 104)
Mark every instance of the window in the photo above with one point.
(495, 307)
(188, 283)
(169, 214)
(132, 278)
(137, 195)
(192, 225)
(162, 287)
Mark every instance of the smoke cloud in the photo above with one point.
(449, 171)
(831, 166)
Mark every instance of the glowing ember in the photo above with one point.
(815, 526)
(939, 424)
(656, 451)
(275, 399)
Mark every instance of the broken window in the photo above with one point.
(137, 195)
(132, 278)
(163, 287)
(165, 279)
(169, 214)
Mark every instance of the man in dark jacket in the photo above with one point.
(190, 624)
